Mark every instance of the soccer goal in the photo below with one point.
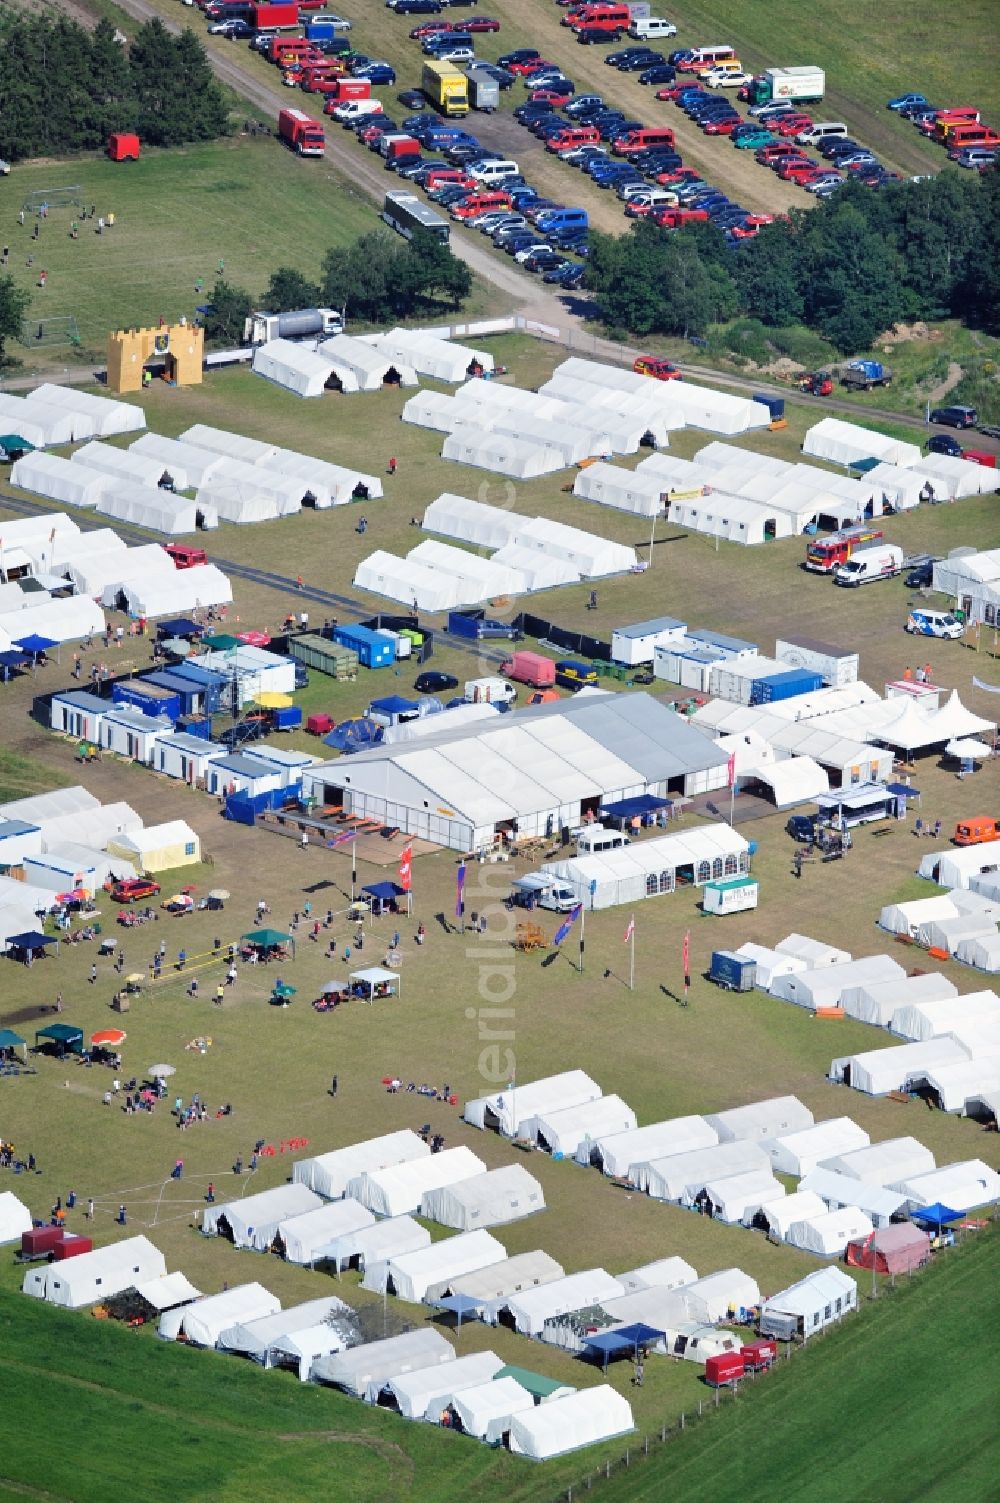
(70, 197)
(50, 331)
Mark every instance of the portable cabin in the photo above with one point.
(128, 733)
(185, 757)
(373, 650)
(210, 686)
(77, 713)
(151, 699)
(241, 772)
(325, 655)
(159, 848)
(18, 838)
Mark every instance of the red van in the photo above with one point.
(184, 556)
(599, 18)
(574, 135)
(480, 203)
(642, 139)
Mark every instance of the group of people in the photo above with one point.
(918, 675)
(9, 1159)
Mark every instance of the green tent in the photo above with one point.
(12, 446)
(267, 939)
(536, 1384)
(222, 643)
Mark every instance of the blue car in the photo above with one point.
(902, 100)
(377, 73)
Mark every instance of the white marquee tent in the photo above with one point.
(203, 1322)
(59, 479)
(519, 459)
(491, 1199)
(780, 1214)
(89, 1277)
(371, 367)
(410, 1275)
(320, 483)
(651, 867)
(799, 1152)
(961, 1186)
(710, 1299)
(563, 1132)
(734, 519)
(818, 1300)
(770, 964)
(625, 490)
(107, 415)
(509, 1111)
(737, 1196)
(49, 422)
(761, 1119)
(664, 1273)
(910, 918)
(254, 1220)
(824, 986)
(531, 1308)
(15, 1218)
(616, 1153)
(491, 1285)
(573, 440)
(168, 1291)
(956, 477)
(428, 354)
(242, 492)
(538, 570)
(308, 1237)
(398, 1191)
(582, 1419)
(877, 1002)
(957, 866)
(188, 465)
(379, 1243)
(124, 464)
(982, 952)
(365, 1370)
(184, 590)
(231, 445)
(683, 1176)
(828, 1235)
(68, 619)
(407, 580)
(879, 1071)
(160, 511)
(482, 578)
(258, 1337)
(472, 521)
(328, 1173)
(813, 951)
(427, 1393)
(432, 409)
(592, 556)
(844, 443)
(837, 1190)
(297, 368)
(486, 1411)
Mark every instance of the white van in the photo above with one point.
(596, 839)
(492, 174)
(356, 109)
(652, 26)
(924, 623)
(815, 133)
(490, 691)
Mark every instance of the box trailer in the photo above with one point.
(731, 895)
(837, 666)
(484, 91)
(724, 1370)
(734, 973)
(776, 686)
(276, 17)
(802, 85)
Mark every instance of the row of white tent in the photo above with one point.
(437, 577)
(962, 922)
(972, 579)
(52, 415)
(542, 552)
(348, 363)
(651, 868)
(847, 443)
(972, 867)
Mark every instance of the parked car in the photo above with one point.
(481, 23)
(943, 443)
(434, 683)
(955, 417)
(134, 889)
(653, 365)
(802, 828)
(589, 36)
(376, 73)
(907, 101)
(921, 575)
(658, 73)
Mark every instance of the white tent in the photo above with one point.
(365, 1370)
(472, 521)
(427, 1393)
(837, 1190)
(734, 519)
(761, 1119)
(410, 1275)
(257, 1338)
(49, 422)
(242, 492)
(954, 477)
(508, 1111)
(901, 485)
(124, 464)
(592, 556)
(204, 1321)
(538, 571)
(563, 1132)
(961, 1087)
(910, 918)
(371, 368)
(58, 479)
(780, 1214)
(877, 1002)
(571, 438)
(406, 580)
(711, 1299)
(433, 409)
(301, 1349)
(232, 445)
(625, 490)
(399, 1191)
(531, 1308)
(791, 781)
(168, 1291)
(71, 618)
(519, 459)
(157, 594)
(98, 826)
(828, 1235)
(188, 465)
(770, 964)
(983, 952)
(486, 1411)
(107, 415)
(798, 1152)
(92, 1276)
(15, 1217)
(735, 1196)
(649, 868)
(957, 866)
(160, 511)
(254, 1220)
(929, 1020)
(683, 1176)
(664, 1273)
(429, 354)
(824, 986)
(102, 573)
(844, 443)
(490, 1199)
(328, 1173)
(615, 1154)
(481, 578)
(818, 1300)
(378, 1243)
(883, 1163)
(308, 1237)
(320, 483)
(582, 1419)
(492, 1284)
(879, 1071)
(294, 366)
(948, 934)
(812, 951)
(961, 1186)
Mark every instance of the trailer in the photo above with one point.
(865, 375)
(836, 666)
(734, 973)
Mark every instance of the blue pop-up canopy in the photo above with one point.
(459, 1304)
(629, 808)
(937, 1214)
(608, 1344)
(35, 644)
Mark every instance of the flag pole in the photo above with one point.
(583, 929)
(354, 867)
(631, 961)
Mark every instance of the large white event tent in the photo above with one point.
(481, 575)
(58, 479)
(297, 368)
(472, 521)
(486, 1411)
(961, 1186)
(427, 1393)
(837, 1190)
(49, 422)
(910, 918)
(572, 440)
(761, 1119)
(429, 354)
(492, 1284)
(737, 1197)
(185, 590)
(107, 415)
(955, 477)
(203, 1322)
(92, 1276)
(68, 619)
(582, 1419)
(828, 1235)
(320, 483)
(398, 1191)
(371, 368)
(329, 1173)
(518, 459)
(531, 1308)
(982, 952)
(615, 1154)
(710, 1299)
(123, 464)
(490, 1199)
(365, 1370)
(410, 1275)
(186, 464)
(957, 866)
(779, 1215)
(258, 1337)
(510, 1111)
(813, 951)
(824, 985)
(818, 1300)
(798, 1152)
(845, 443)
(590, 555)
(432, 409)
(160, 511)
(664, 1273)
(310, 1236)
(733, 519)
(539, 571)
(625, 490)
(770, 964)
(564, 1132)
(254, 1220)
(377, 1244)
(699, 406)
(230, 445)
(242, 493)
(15, 1218)
(877, 1002)
(408, 581)
(103, 572)
(683, 1176)
(879, 1071)
(650, 868)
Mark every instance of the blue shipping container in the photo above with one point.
(373, 651)
(151, 703)
(784, 686)
(734, 972)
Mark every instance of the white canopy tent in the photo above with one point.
(780, 1214)
(825, 985)
(901, 485)
(370, 367)
(648, 868)
(430, 355)
(568, 436)
(881, 1163)
(664, 1273)
(301, 1349)
(59, 479)
(962, 1186)
(242, 492)
(837, 1190)
(52, 422)
(399, 1191)
(698, 406)
(124, 464)
(89, 1277)
(486, 1411)
(308, 1238)
(508, 1112)
(408, 581)
(518, 459)
(433, 409)
(483, 578)
(625, 490)
(187, 464)
(168, 1291)
(910, 918)
(956, 866)
(257, 1338)
(818, 1300)
(328, 1173)
(582, 1419)
(157, 594)
(956, 477)
(320, 483)
(771, 964)
(761, 1119)
(231, 445)
(203, 1322)
(491, 1199)
(877, 1002)
(828, 1235)
(710, 1299)
(948, 934)
(531, 1308)
(538, 571)
(592, 556)
(683, 1176)
(255, 1220)
(159, 511)
(791, 781)
(426, 1393)
(15, 1218)
(379, 1243)
(365, 1370)
(799, 1152)
(879, 1071)
(733, 519)
(616, 1153)
(492, 1284)
(563, 1132)
(107, 415)
(982, 952)
(736, 1196)
(295, 367)
(472, 521)
(71, 618)
(812, 951)
(845, 443)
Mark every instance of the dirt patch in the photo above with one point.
(951, 380)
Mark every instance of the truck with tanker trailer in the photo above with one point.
(301, 323)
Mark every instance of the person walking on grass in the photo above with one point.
(334, 1083)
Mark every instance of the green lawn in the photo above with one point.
(22, 777)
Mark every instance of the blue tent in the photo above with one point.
(459, 1304)
(35, 645)
(630, 808)
(11, 660)
(608, 1344)
(937, 1214)
(181, 626)
(354, 735)
(31, 939)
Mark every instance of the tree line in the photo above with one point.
(376, 279)
(64, 89)
(848, 269)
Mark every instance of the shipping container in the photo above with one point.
(40, 1241)
(71, 1247)
(732, 972)
(785, 685)
(726, 1368)
(836, 665)
(326, 656)
(373, 651)
(151, 699)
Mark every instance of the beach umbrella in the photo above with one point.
(270, 699)
(968, 750)
(254, 638)
(112, 1036)
(162, 1072)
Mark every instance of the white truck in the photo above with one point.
(791, 85)
(490, 691)
(865, 565)
(536, 890)
(301, 323)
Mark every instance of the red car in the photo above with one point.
(554, 97)
(723, 127)
(789, 125)
(670, 92)
(744, 231)
(754, 221)
(530, 65)
(794, 171)
(480, 23)
(678, 175)
(133, 890)
(653, 365)
(430, 27)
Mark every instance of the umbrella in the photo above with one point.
(968, 750)
(179, 900)
(177, 647)
(272, 700)
(112, 1036)
(282, 989)
(220, 894)
(78, 895)
(254, 638)
(162, 1072)
(35, 644)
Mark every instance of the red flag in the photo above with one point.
(687, 954)
(406, 866)
(732, 768)
(630, 930)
